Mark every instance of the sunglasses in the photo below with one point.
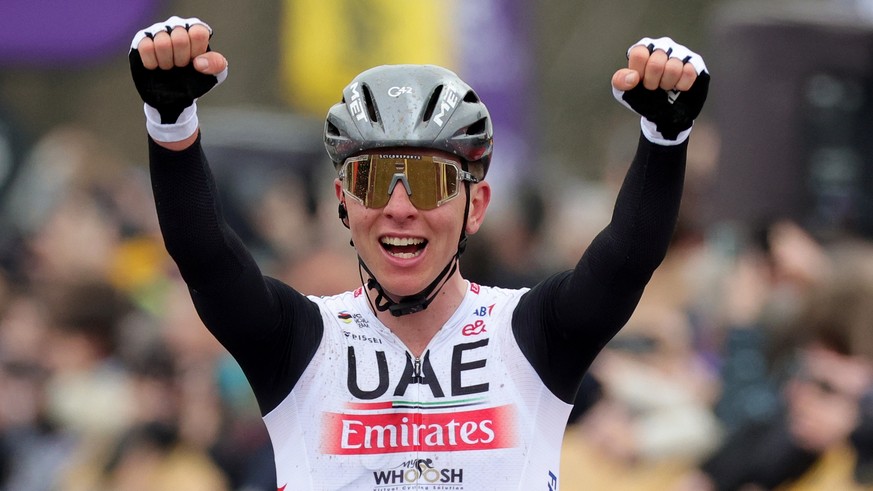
(429, 181)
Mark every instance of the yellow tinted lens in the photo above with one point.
(357, 178)
(423, 180)
(433, 181)
(361, 182)
(383, 172)
(371, 179)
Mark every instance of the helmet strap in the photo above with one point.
(412, 303)
(419, 301)
(343, 213)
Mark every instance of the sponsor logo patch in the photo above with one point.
(422, 473)
(363, 434)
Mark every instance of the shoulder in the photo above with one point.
(485, 291)
(344, 308)
(339, 298)
(495, 299)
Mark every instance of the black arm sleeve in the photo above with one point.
(269, 328)
(562, 323)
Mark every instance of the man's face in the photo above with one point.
(406, 247)
(823, 399)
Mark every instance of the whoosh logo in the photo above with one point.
(358, 434)
(418, 471)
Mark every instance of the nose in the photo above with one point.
(399, 204)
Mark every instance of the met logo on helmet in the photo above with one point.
(356, 104)
(448, 101)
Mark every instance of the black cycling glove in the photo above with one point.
(170, 95)
(667, 115)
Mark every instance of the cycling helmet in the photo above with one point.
(410, 106)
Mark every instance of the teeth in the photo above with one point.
(401, 241)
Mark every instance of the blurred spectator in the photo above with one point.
(152, 457)
(808, 443)
(765, 285)
(88, 387)
(59, 386)
(106, 381)
(655, 417)
(512, 254)
(33, 448)
(22, 381)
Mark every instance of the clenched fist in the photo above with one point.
(666, 84)
(172, 66)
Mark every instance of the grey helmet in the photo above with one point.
(410, 105)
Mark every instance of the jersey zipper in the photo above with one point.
(417, 415)
(416, 370)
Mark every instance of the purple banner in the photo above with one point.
(52, 33)
(495, 59)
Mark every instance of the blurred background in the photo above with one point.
(748, 366)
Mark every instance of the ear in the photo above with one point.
(480, 197)
(342, 211)
(338, 189)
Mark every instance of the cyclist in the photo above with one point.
(417, 378)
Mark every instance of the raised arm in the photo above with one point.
(269, 328)
(565, 321)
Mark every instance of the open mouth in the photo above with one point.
(403, 247)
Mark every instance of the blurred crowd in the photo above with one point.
(747, 366)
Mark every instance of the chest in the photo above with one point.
(375, 365)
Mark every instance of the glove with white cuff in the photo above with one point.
(667, 115)
(170, 95)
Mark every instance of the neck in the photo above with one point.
(416, 330)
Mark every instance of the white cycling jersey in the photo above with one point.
(469, 414)
(346, 405)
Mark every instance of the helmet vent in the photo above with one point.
(332, 130)
(368, 101)
(471, 96)
(431, 104)
(477, 128)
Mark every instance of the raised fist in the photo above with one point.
(666, 84)
(172, 66)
